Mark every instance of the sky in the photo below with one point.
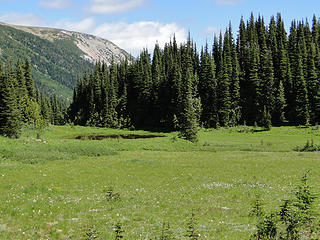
(137, 24)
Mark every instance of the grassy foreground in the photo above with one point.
(58, 188)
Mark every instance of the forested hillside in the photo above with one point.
(264, 76)
(56, 56)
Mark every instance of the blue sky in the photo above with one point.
(135, 24)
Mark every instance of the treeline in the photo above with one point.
(263, 77)
(21, 104)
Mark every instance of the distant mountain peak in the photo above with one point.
(58, 56)
(94, 48)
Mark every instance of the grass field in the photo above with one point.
(58, 188)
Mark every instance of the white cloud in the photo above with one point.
(132, 37)
(86, 25)
(136, 36)
(212, 30)
(113, 6)
(228, 2)
(23, 19)
(55, 4)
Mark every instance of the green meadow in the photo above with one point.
(60, 187)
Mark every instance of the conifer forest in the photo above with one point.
(264, 76)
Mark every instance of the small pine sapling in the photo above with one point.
(91, 233)
(256, 207)
(266, 228)
(266, 119)
(118, 231)
(191, 227)
(166, 233)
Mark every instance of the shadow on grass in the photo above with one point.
(118, 136)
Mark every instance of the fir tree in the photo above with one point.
(207, 90)
(266, 119)
(188, 122)
(224, 73)
(192, 231)
(235, 88)
(157, 79)
(279, 105)
(10, 124)
(223, 97)
(266, 81)
(28, 79)
(301, 100)
(312, 83)
(166, 232)
(250, 105)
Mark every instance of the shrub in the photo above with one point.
(112, 196)
(308, 147)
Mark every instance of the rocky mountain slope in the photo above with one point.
(58, 57)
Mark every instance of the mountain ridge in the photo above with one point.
(58, 56)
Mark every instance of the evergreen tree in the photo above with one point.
(188, 123)
(250, 108)
(223, 96)
(301, 100)
(279, 105)
(235, 88)
(272, 42)
(317, 106)
(312, 83)
(188, 120)
(266, 81)
(176, 98)
(283, 87)
(57, 111)
(111, 90)
(28, 79)
(266, 119)
(301, 47)
(10, 124)
(224, 73)
(23, 101)
(157, 79)
(207, 89)
(45, 109)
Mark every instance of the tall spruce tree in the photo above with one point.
(186, 112)
(301, 100)
(312, 83)
(265, 93)
(251, 105)
(28, 79)
(283, 86)
(235, 108)
(224, 72)
(10, 124)
(278, 117)
(207, 90)
(157, 78)
(188, 121)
